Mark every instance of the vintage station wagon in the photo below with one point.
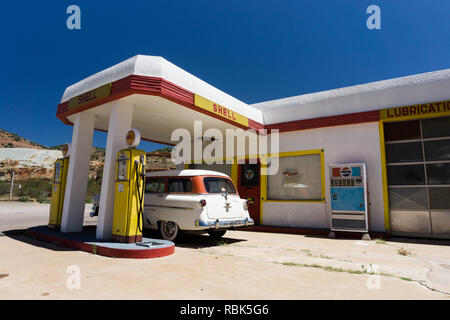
(193, 200)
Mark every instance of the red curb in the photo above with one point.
(104, 251)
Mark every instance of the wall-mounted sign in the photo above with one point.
(415, 110)
(249, 174)
(346, 171)
(90, 96)
(219, 110)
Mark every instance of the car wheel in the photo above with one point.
(216, 234)
(169, 230)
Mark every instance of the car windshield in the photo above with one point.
(218, 185)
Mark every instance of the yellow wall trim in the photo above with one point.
(387, 225)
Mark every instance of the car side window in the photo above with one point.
(162, 185)
(180, 185)
(155, 185)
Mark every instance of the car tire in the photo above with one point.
(217, 234)
(169, 230)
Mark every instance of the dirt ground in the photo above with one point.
(242, 265)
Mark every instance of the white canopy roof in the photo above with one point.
(404, 91)
(153, 66)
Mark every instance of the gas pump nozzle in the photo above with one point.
(143, 165)
(141, 160)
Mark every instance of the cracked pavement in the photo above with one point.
(242, 265)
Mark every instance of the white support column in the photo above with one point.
(78, 173)
(120, 121)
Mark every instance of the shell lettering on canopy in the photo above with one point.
(219, 110)
(90, 96)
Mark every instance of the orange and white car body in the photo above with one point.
(197, 200)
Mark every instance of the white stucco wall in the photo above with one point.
(341, 144)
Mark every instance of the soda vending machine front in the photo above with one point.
(349, 197)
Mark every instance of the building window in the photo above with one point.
(298, 178)
(418, 164)
(399, 131)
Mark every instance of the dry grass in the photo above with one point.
(403, 252)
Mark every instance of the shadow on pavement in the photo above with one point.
(434, 242)
(192, 241)
(20, 235)
(196, 241)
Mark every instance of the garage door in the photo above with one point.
(418, 172)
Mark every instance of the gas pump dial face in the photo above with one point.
(122, 170)
(57, 172)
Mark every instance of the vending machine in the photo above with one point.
(349, 197)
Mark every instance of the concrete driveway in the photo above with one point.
(16, 214)
(242, 265)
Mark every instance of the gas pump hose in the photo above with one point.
(140, 197)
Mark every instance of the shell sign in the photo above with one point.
(219, 110)
(90, 96)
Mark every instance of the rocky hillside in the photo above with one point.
(31, 160)
(12, 140)
(28, 159)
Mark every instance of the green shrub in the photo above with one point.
(23, 199)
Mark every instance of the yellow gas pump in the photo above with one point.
(59, 188)
(129, 191)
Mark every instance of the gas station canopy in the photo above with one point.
(161, 94)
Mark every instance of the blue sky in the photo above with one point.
(253, 50)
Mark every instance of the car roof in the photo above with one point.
(185, 173)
